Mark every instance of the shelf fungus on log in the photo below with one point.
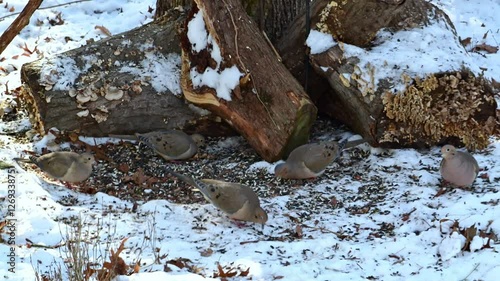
(124, 84)
(400, 78)
(229, 69)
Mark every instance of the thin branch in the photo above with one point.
(18, 24)
(45, 8)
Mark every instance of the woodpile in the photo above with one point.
(270, 104)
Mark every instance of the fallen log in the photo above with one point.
(260, 99)
(389, 99)
(124, 84)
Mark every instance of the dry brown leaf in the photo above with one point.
(207, 252)
(244, 273)
(485, 47)
(406, 216)
(104, 30)
(465, 41)
(88, 272)
(138, 177)
(123, 167)
(73, 136)
(334, 202)
(469, 234)
(181, 263)
(117, 265)
(137, 266)
(298, 231)
(231, 272)
(57, 21)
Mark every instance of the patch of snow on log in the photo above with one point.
(416, 52)
(163, 73)
(319, 42)
(223, 81)
(59, 76)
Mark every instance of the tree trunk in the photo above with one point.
(105, 98)
(164, 7)
(453, 107)
(268, 107)
(272, 16)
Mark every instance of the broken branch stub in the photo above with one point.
(229, 69)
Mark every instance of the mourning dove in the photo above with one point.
(310, 160)
(239, 201)
(458, 167)
(172, 144)
(65, 165)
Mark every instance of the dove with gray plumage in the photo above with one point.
(458, 167)
(172, 144)
(310, 160)
(239, 201)
(65, 165)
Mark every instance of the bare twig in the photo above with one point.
(46, 8)
(33, 245)
(19, 23)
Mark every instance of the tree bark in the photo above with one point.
(104, 99)
(453, 107)
(163, 7)
(268, 107)
(272, 16)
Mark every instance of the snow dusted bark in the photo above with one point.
(264, 103)
(116, 86)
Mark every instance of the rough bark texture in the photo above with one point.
(356, 22)
(105, 99)
(163, 7)
(453, 107)
(269, 107)
(292, 49)
(272, 16)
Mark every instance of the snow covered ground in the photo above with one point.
(375, 215)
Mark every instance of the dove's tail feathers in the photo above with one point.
(33, 159)
(342, 144)
(353, 143)
(199, 185)
(23, 160)
(124, 137)
(186, 179)
(145, 140)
